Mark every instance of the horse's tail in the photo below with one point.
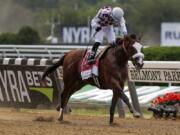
(51, 68)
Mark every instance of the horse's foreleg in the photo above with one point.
(126, 100)
(112, 108)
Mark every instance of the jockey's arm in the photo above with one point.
(95, 21)
(122, 26)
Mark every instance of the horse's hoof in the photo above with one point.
(65, 122)
(131, 111)
(110, 122)
(113, 124)
(137, 115)
(60, 119)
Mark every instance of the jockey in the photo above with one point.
(103, 23)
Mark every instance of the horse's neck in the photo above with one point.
(121, 55)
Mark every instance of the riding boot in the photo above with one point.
(91, 57)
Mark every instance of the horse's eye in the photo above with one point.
(133, 51)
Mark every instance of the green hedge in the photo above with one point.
(162, 53)
(26, 35)
(8, 38)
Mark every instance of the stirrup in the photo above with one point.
(91, 58)
(91, 61)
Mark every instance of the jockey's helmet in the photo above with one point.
(117, 13)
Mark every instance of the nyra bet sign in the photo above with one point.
(170, 34)
(78, 34)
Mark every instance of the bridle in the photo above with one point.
(136, 57)
(123, 47)
(133, 56)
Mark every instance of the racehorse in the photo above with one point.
(113, 71)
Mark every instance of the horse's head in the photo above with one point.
(134, 49)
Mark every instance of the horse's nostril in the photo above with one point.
(142, 65)
(139, 65)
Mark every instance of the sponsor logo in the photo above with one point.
(81, 35)
(155, 75)
(17, 83)
(170, 34)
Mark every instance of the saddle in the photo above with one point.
(88, 71)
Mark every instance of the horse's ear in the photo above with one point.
(133, 36)
(127, 39)
(119, 40)
(140, 37)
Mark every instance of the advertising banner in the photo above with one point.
(21, 86)
(170, 34)
(155, 75)
(156, 72)
(78, 34)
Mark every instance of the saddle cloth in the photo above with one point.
(87, 71)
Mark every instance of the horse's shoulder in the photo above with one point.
(104, 51)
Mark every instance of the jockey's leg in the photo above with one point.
(98, 40)
(91, 58)
(110, 35)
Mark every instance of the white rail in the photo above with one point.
(37, 51)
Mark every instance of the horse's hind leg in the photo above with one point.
(68, 91)
(60, 107)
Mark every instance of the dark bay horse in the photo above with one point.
(113, 71)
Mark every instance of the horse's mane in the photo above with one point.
(119, 41)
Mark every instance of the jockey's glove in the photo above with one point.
(124, 33)
(98, 29)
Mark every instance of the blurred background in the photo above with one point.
(52, 18)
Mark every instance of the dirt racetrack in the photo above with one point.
(13, 122)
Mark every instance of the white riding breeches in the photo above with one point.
(107, 32)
